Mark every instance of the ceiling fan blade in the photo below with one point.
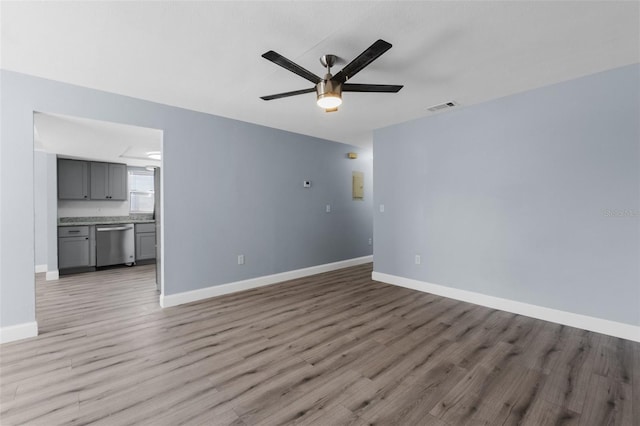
(278, 59)
(287, 94)
(383, 88)
(364, 59)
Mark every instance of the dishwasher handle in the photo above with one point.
(119, 228)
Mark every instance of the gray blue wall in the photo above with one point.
(45, 199)
(516, 197)
(229, 188)
(40, 206)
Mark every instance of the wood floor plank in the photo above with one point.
(416, 397)
(635, 378)
(544, 413)
(609, 402)
(461, 402)
(569, 378)
(332, 349)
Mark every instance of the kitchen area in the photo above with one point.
(106, 204)
(89, 242)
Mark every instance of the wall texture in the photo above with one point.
(229, 188)
(534, 197)
(40, 206)
(52, 217)
(45, 201)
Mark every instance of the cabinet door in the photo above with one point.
(146, 246)
(73, 179)
(99, 181)
(117, 181)
(73, 252)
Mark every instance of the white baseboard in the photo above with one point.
(611, 328)
(41, 268)
(52, 275)
(18, 332)
(219, 290)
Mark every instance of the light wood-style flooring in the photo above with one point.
(332, 349)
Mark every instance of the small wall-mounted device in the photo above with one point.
(352, 155)
(306, 184)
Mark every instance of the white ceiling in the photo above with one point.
(74, 137)
(206, 56)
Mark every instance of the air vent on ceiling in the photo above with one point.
(440, 107)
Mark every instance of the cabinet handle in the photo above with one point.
(87, 238)
(74, 231)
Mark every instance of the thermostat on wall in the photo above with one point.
(306, 184)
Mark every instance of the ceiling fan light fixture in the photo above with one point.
(329, 93)
(329, 101)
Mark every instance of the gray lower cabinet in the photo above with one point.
(145, 241)
(73, 179)
(74, 247)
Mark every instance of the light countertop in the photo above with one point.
(104, 220)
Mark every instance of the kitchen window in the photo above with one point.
(141, 190)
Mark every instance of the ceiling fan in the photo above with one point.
(329, 89)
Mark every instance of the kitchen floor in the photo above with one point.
(104, 297)
(331, 349)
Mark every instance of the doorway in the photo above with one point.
(134, 152)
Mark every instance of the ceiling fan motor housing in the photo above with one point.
(328, 88)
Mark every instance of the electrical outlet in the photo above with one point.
(381, 208)
(418, 260)
(370, 241)
(241, 259)
(328, 208)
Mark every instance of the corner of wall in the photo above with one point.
(167, 301)
(18, 332)
(598, 325)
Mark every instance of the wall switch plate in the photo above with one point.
(328, 208)
(306, 184)
(241, 259)
(370, 241)
(418, 260)
(381, 208)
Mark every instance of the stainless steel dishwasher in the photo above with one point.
(115, 244)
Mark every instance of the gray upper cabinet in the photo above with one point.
(108, 181)
(84, 180)
(117, 181)
(99, 181)
(73, 179)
